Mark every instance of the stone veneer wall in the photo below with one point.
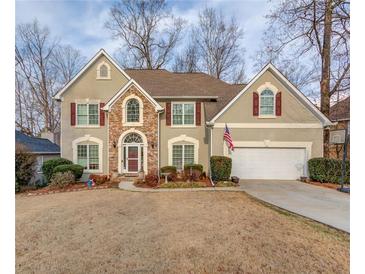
(149, 128)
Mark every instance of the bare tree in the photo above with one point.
(317, 32)
(148, 31)
(218, 42)
(188, 60)
(43, 65)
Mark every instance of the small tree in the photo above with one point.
(25, 164)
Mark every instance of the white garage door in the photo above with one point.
(268, 163)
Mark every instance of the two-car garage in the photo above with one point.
(268, 163)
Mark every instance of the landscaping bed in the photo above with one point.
(78, 186)
(326, 185)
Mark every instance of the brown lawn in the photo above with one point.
(112, 231)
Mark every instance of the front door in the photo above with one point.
(132, 158)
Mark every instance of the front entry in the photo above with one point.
(132, 151)
(133, 158)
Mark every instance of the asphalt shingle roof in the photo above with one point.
(341, 110)
(165, 83)
(36, 145)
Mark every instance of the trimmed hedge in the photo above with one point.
(77, 170)
(326, 170)
(197, 167)
(165, 169)
(221, 168)
(49, 165)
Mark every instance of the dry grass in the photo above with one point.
(112, 231)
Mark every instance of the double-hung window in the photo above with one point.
(183, 113)
(267, 102)
(182, 155)
(88, 156)
(88, 114)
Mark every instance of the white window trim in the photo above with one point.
(98, 76)
(120, 149)
(183, 125)
(271, 87)
(183, 138)
(91, 102)
(124, 110)
(273, 144)
(42, 161)
(90, 140)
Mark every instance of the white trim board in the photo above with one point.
(304, 100)
(267, 125)
(131, 82)
(58, 95)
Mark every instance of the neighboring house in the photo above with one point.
(340, 114)
(123, 121)
(43, 148)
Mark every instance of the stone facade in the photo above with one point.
(149, 129)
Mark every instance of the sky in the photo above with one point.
(81, 23)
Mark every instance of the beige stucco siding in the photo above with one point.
(293, 111)
(198, 132)
(88, 87)
(314, 135)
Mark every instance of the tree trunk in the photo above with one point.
(325, 79)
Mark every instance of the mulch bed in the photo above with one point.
(69, 188)
(326, 185)
(205, 183)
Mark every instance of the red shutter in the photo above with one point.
(168, 114)
(255, 105)
(73, 114)
(198, 118)
(102, 114)
(278, 104)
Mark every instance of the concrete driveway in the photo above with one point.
(318, 203)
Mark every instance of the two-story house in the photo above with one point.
(125, 121)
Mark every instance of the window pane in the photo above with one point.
(132, 111)
(82, 114)
(188, 154)
(104, 71)
(177, 156)
(82, 155)
(177, 114)
(94, 114)
(267, 102)
(93, 157)
(188, 114)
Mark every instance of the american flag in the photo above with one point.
(228, 138)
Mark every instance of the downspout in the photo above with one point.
(158, 145)
(210, 127)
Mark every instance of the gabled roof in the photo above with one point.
(163, 84)
(58, 95)
(341, 110)
(36, 145)
(300, 96)
(131, 82)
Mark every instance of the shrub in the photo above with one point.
(49, 165)
(17, 186)
(60, 180)
(221, 167)
(77, 170)
(172, 177)
(166, 169)
(328, 170)
(25, 164)
(151, 180)
(98, 178)
(192, 172)
(193, 167)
